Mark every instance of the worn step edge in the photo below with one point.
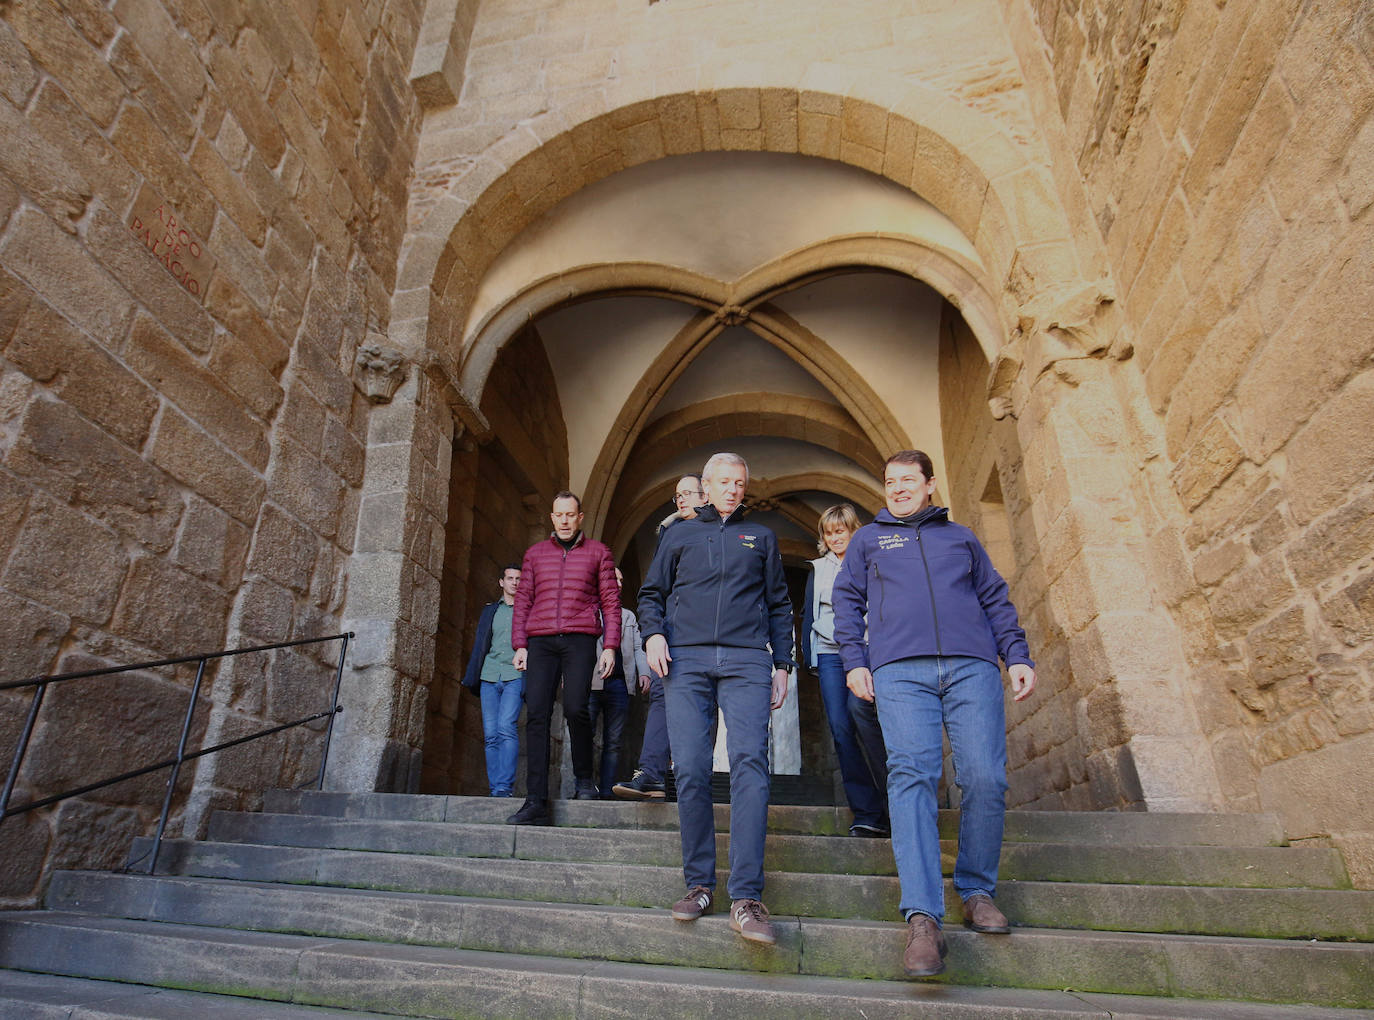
(1255, 913)
(428, 981)
(1133, 963)
(1129, 827)
(1247, 867)
(30, 996)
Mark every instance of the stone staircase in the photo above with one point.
(368, 905)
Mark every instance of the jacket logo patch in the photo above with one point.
(886, 542)
(748, 541)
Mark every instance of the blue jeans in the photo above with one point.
(866, 800)
(612, 704)
(739, 680)
(914, 697)
(501, 704)
(654, 752)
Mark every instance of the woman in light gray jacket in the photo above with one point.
(858, 748)
(610, 698)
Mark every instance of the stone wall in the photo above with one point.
(1057, 751)
(200, 210)
(1226, 152)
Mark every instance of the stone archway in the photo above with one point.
(1029, 306)
(923, 140)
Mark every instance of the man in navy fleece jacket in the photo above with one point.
(938, 618)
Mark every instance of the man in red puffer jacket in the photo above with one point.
(567, 595)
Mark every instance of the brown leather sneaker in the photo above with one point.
(982, 915)
(925, 947)
(750, 919)
(697, 902)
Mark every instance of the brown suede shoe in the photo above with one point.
(925, 947)
(981, 915)
(698, 901)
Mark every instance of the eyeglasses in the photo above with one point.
(689, 493)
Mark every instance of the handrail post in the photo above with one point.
(176, 767)
(21, 750)
(333, 709)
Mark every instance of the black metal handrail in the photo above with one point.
(40, 685)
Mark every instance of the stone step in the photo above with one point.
(1193, 966)
(26, 996)
(1077, 827)
(444, 982)
(1244, 867)
(1261, 913)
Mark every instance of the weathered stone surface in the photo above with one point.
(1350, 612)
(76, 461)
(170, 610)
(264, 611)
(1334, 542)
(18, 76)
(211, 545)
(88, 733)
(144, 275)
(191, 456)
(63, 558)
(303, 485)
(59, 49)
(41, 170)
(1323, 464)
(172, 371)
(28, 840)
(32, 633)
(52, 351)
(1251, 594)
(283, 550)
(65, 276)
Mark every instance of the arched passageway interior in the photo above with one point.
(793, 310)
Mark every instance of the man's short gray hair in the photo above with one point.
(719, 459)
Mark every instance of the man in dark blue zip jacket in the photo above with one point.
(938, 618)
(714, 604)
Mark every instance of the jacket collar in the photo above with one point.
(929, 515)
(578, 539)
(710, 513)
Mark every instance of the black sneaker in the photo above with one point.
(532, 812)
(586, 790)
(640, 787)
(864, 830)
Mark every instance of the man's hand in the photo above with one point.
(860, 681)
(644, 683)
(656, 651)
(607, 663)
(779, 688)
(1022, 681)
(521, 657)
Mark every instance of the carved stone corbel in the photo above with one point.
(379, 369)
(1071, 323)
(1006, 368)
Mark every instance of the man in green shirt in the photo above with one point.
(491, 673)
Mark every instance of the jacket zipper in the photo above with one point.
(558, 602)
(720, 587)
(882, 590)
(930, 585)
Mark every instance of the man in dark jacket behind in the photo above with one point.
(567, 592)
(491, 674)
(938, 619)
(714, 604)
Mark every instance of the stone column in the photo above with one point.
(1093, 526)
(392, 603)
